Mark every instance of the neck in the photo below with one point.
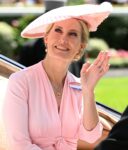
(55, 71)
(56, 74)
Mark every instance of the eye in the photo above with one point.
(58, 30)
(73, 34)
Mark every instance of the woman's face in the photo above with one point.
(64, 40)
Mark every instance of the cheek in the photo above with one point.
(53, 36)
(76, 44)
(50, 39)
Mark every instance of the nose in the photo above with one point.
(63, 39)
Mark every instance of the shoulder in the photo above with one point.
(25, 73)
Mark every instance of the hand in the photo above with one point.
(91, 73)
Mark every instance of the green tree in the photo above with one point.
(76, 2)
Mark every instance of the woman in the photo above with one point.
(47, 107)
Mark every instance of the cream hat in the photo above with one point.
(93, 15)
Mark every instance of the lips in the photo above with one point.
(61, 48)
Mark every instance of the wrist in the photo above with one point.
(88, 90)
(88, 94)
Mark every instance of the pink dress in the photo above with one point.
(31, 114)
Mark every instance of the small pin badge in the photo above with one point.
(75, 85)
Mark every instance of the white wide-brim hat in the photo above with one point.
(93, 15)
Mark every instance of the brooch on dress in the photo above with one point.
(75, 85)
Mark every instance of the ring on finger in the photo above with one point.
(100, 69)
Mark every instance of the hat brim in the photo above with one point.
(92, 15)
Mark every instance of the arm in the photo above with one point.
(90, 75)
(15, 114)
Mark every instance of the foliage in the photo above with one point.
(76, 2)
(119, 63)
(11, 31)
(7, 42)
(95, 45)
(119, 58)
(114, 30)
(19, 26)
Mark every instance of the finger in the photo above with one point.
(98, 62)
(107, 68)
(103, 71)
(106, 61)
(98, 58)
(102, 59)
(85, 67)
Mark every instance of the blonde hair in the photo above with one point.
(85, 31)
(48, 28)
(84, 36)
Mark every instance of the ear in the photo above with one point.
(45, 39)
(83, 45)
